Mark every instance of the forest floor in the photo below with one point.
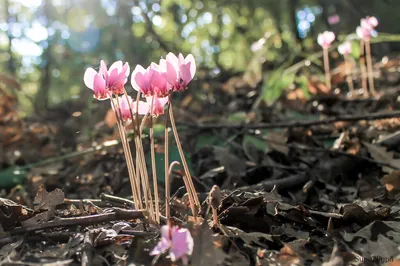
(303, 181)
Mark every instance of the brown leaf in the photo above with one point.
(48, 201)
(12, 213)
(205, 252)
(110, 119)
(392, 181)
(380, 153)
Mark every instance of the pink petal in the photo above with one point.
(116, 65)
(171, 74)
(181, 59)
(161, 247)
(103, 69)
(185, 75)
(143, 108)
(126, 70)
(172, 59)
(182, 244)
(190, 59)
(88, 77)
(99, 88)
(138, 78)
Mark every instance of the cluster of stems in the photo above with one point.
(137, 168)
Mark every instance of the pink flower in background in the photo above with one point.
(367, 28)
(369, 22)
(363, 33)
(345, 48)
(104, 81)
(158, 104)
(177, 240)
(178, 71)
(325, 39)
(150, 81)
(125, 110)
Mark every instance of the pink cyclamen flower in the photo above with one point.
(325, 39)
(158, 104)
(369, 22)
(178, 71)
(363, 33)
(126, 105)
(345, 48)
(104, 81)
(150, 81)
(177, 240)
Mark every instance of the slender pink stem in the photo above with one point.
(363, 69)
(126, 152)
(166, 164)
(327, 69)
(153, 163)
(191, 189)
(370, 70)
(349, 76)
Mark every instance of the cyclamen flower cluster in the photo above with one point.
(367, 28)
(156, 82)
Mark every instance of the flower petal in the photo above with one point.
(88, 77)
(182, 244)
(161, 247)
(172, 59)
(116, 65)
(138, 78)
(103, 69)
(190, 59)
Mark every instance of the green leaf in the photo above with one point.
(355, 49)
(205, 140)
(253, 147)
(11, 176)
(173, 154)
(275, 85)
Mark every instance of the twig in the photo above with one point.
(354, 156)
(327, 214)
(282, 183)
(292, 124)
(118, 214)
(111, 198)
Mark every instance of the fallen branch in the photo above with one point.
(283, 183)
(292, 124)
(117, 214)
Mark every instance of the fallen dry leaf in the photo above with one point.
(381, 154)
(392, 181)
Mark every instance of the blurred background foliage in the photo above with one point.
(47, 44)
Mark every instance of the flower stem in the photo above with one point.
(369, 66)
(327, 70)
(167, 191)
(136, 173)
(153, 163)
(166, 165)
(362, 68)
(191, 190)
(141, 163)
(348, 73)
(128, 157)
